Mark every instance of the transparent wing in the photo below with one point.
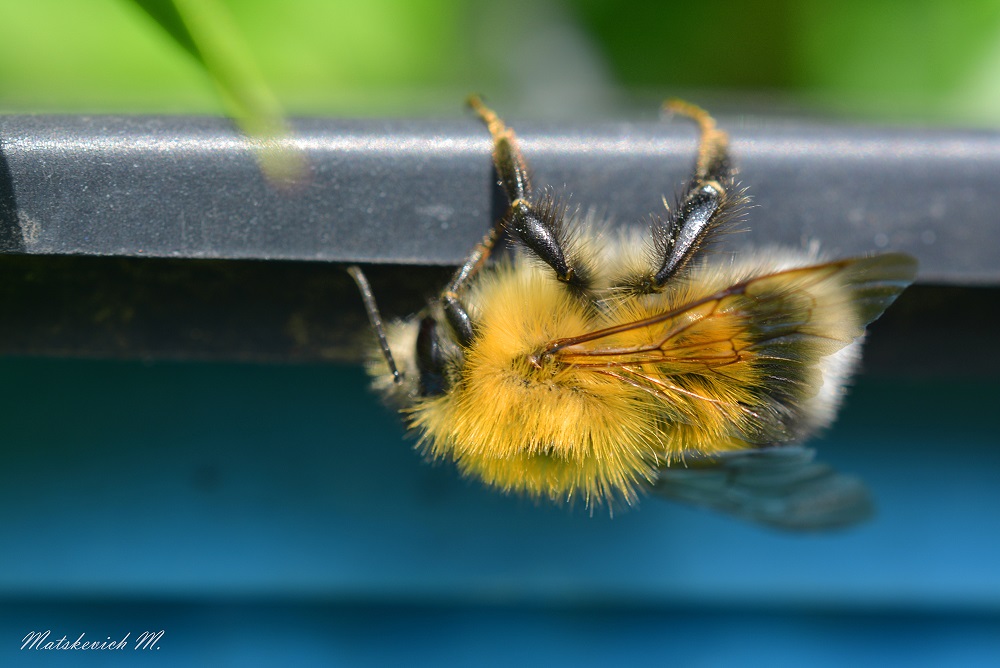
(745, 359)
(784, 306)
(782, 487)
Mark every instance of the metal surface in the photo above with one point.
(119, 234)
(411, 192)
(283, 311)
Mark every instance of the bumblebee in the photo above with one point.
(594, 366)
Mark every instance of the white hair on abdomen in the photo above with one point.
(819, 411)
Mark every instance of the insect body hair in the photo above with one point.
(592, 366)
(559, 430)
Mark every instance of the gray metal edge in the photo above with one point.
(423, 192)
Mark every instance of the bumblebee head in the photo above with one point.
(413, 355)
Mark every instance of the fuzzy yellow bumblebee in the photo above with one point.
(596, 366)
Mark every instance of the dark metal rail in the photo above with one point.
(408, 192)
(85, 201)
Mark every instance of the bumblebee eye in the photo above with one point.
(430, 360)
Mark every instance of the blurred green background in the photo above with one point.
(884, 60)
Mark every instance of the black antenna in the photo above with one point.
(375, 319)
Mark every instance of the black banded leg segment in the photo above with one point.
(513, 177)
(539, 227)
(702, 208)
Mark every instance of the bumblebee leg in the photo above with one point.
(713, 150)
(454, 310)
(458, 317)
(704, 205)
(514, 177)
(537, 227)
(513, 173)
(507, 158)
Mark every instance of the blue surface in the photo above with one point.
(214, 634)
(221, 501)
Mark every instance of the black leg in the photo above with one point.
(705, 206)
(538, 225)
(454, 310)
(513, 175)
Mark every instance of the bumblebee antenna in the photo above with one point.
(375, 319)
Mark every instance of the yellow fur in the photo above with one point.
(564, 430)
(648, 354)
(550, 431)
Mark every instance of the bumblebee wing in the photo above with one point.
(782, 487)
(746, 361)
(790, 304)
